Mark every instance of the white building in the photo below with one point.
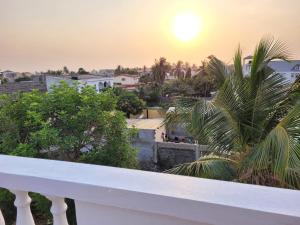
(98, 82)
(9, 75)
(127, 81)
(290, 70)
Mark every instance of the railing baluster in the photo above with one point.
(2, 221)
(22, 202)
(58, 210)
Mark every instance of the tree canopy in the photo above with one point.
(68, 125)
(128, 102)
(251, 126)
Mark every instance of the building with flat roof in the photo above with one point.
(99, 82)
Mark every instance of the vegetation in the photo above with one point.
(67, 125)
(82, 71)
(159, 71)
(128, 102)
(252, 125)
(24, 78)
(120, 70)
(201, 85)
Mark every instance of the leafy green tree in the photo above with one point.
(64, 124)
(146, 79)
(252, 125)
(128, 102)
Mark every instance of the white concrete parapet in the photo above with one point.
(114, 196)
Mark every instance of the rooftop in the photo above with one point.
(81, 76)
(283, 66)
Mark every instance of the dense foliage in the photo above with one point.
(120, 70)
(128, 102)
(67, 125)
(252, 125)
(199, 85)
(63, 123)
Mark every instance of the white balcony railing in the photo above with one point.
(113, 196)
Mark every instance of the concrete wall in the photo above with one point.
(144, 144)
(169, 154)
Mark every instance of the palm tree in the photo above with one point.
(178, 70)
(252, 126)
(159, 70)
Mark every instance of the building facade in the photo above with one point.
(289, 70)
(127, 81)
(98, 82)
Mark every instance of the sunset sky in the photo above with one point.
(49, 34)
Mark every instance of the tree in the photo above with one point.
(65, 124)
(118, 70)
(159, 70)
(145, 79)
(178, 70)
(188, 74)
(66, 70)
(128, 102)
(252, 125)
(201, 85)
(82, 71)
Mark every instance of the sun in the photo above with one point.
(186, 26)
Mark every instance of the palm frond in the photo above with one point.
(267, 50)
(279, 152)
(218, 69)
(238, 67)
(211, 166)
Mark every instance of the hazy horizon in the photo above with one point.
(93, 34)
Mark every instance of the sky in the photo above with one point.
(37, 35)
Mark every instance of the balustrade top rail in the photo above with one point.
(193, 199)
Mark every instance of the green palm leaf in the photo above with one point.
(211, 166)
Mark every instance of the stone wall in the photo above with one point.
(38, 83)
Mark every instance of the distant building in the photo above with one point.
(127, 81)
(290, 70)
(9, 75)
(99, 82)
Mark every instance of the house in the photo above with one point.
(9, 75)
(99, 82)
(127, 81)
(290, 70)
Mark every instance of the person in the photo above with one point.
(176, 139)
(163, 136)
(166, 137)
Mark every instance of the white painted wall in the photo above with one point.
(126, 80)
(114, 196)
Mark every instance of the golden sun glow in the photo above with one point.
(187, 26)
